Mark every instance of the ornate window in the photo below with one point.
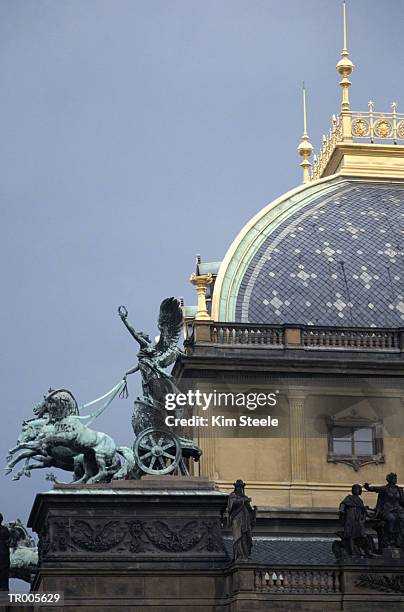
(355, 441)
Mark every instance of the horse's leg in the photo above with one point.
(78, 468)
(87, 469)
(29, 467)
(103, 473)
(14, 449)
(23, 445)
(44, 461)
(26, 454)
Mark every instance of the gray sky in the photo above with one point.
(133, 135)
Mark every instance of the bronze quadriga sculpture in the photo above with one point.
(59, 436)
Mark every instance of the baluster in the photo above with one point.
(278, 582)
(375, 340)
(257, 580)
(270, 581)
(322, 582)
(286, 588)
(394, 107)
(336, 581)
(293, 581)
(371, 124)
(316, 582)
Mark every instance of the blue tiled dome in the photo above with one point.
(338, 260)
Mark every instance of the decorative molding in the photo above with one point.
(135, 537)
(379, 582)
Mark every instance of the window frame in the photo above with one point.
(353, 459)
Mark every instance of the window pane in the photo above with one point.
(363, 448)
(342, 432)
(363, 434)
(342, 447)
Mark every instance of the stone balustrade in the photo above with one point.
(285, 580)
(307, 337)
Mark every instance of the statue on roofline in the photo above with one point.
(23, 552)
(355, 541)
(389, 513)
(241, 517)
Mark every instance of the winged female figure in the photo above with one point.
(153, 358)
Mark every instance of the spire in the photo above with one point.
(305, 149)
(345, 67)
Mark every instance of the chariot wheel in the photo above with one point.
(157, 451)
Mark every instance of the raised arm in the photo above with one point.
(371, 489)
(123, 313)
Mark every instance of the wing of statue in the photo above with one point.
(170, 326)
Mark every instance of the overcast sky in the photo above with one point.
(133, 135)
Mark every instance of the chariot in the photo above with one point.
(157, 449)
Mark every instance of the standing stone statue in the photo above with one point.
(4, 555)
(241, 517)
(355, 541)
(390, 512)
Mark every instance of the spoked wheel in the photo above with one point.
(157, 451)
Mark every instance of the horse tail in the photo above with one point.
(128, 464)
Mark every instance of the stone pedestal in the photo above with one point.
(131, 545)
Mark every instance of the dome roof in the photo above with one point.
(330, 254)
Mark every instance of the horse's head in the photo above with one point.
(19, 535)
(57, 404)
(40, 409)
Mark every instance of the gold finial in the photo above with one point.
(305, 149)
(345, 67)
(201, 282)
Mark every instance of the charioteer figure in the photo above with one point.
(157, 448)
(154, 357)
